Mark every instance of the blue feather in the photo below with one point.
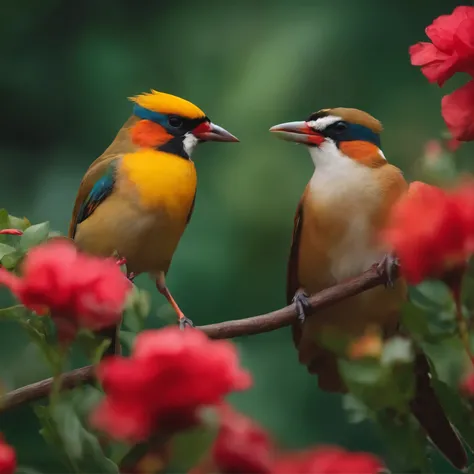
(146, 114)
(99, 192)
(359, 132)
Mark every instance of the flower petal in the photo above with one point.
(457, 109)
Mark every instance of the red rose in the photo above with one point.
(79, 290)
(431, 230)
(7, 458)
(170, 375)
(435, 65)
(452, 47)
(457, 109)
(328, 460)
(451, 51)
(242, 446)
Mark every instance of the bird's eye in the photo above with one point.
(340, 126)
(175, 122)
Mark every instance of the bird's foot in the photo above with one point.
(302, 305)
(184, 322)
(131, 276)
(388, 267)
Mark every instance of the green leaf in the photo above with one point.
(34, 235)
(127, 338)
(21, 223)
(457, 409)
(448, 357)
(431, 324)
(93, 346)
(415, 320)
(431, 294)
(406, 440)
(16, 313)
(361, 372)
(11, 260)
(379, 386)
(84, 399)
(69, 429)
(136, 310)
(6, 250)
(81, 448)
(189, 447)
(397, 350)
(357, 411)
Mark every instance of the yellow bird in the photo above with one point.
(138, 196)
(339, 216)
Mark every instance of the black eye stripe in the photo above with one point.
(185, 124)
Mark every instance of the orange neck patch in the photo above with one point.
(148, 134)
(363, 152)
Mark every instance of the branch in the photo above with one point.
(225, 330)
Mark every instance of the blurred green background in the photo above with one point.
(67, 70)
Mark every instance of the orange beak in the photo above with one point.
(299, 132)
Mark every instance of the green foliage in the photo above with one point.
(34, 235)
(407, 442)
(64, 430)
(190, 447)
(137, 310)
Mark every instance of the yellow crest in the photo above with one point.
(167, 104)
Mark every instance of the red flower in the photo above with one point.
(242, 446)
(328, 460)
(457, 109)
(7, 458)
(79, 290)
(467, 385)
(431, 230)
(170, 375)
(451, 51)
(11, 232)
(452, 47)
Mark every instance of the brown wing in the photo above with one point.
(292, 282)
(121, 145)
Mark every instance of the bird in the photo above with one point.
(136, 199)
(337, 223)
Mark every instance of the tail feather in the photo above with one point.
(430, 414)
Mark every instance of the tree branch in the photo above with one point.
(225, 330)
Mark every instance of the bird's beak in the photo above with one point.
(299, 132)
(207, 131)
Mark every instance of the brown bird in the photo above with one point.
(344, 206)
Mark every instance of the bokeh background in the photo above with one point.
(67, 69)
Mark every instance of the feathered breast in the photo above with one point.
(163, 181)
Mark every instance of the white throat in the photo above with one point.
(336, 175)
(189, 143)
(350, 194)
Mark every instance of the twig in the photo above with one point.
(42, 389)
(225, 330)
